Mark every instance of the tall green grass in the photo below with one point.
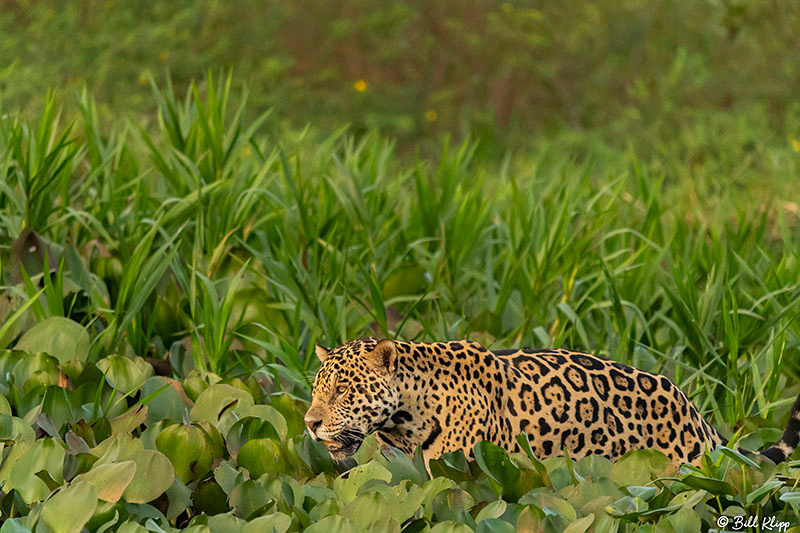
(246, 243)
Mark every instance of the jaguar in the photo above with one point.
(448, 396)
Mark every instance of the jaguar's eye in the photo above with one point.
(341, 389)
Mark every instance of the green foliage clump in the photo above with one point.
(163, 286)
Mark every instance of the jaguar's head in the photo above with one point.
(354, 394)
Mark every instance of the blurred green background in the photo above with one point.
(664, 75)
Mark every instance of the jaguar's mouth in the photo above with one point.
(344, 447)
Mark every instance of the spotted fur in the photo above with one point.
(446, 396)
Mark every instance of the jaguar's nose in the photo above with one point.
(312, 423)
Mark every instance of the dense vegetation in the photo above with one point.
(169, 256)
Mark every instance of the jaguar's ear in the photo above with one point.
(322, 352)
(383, 358)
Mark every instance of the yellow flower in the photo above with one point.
(164, 55)
(431, 115)
(143, 78)
(360, 86)
(795, 144)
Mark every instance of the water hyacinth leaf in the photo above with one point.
(347, 488)
(15, 429)
(452, 504)
(640, 467)
(126, 375)
(494, 525)
(581, 525)
(209, 498)
(154, 475)
(61, 406)
(14, 525)
(275, 522)
(179, 497)
(593, 495)
(495, 463)
(249, 428)
(44, 454)
(450, 526)
(224, 523)
(187, 449)
(70, 508)
(110, 479)
(227, 476)
(387, 524)
(645, 493)
(5, 407)
(129, 420)
(315, 455)
(366, 508)
(169, 402)
(685, 519)
(402, 467)
(247, 498)
(218, 400)
(549, 501)
(132, 527)
(493, 509)
(333, 524)
(60, 337)
(260, 456)
(36, 369)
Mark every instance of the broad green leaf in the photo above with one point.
(268, 414)
(550, 501)
(60, 337)
(187, 449)
(110, 480)
(168, 404)
(260, 456)
(125, 374)
(346, 489)
(70, 508)
(225, 523)
(276, 522)
(154, 475)
(450, 526)
(44, 454)
(639, 467)
(495, 463)
(207, 497)
(685, 519)
(333, 524)
(216, 402)
(35, 369)
(494, 509)
(450, 504)
(247, 498)
(580, 525)
(5, 408)
(15, 429)
(249, 428)
(14, 525)
(494, 525)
